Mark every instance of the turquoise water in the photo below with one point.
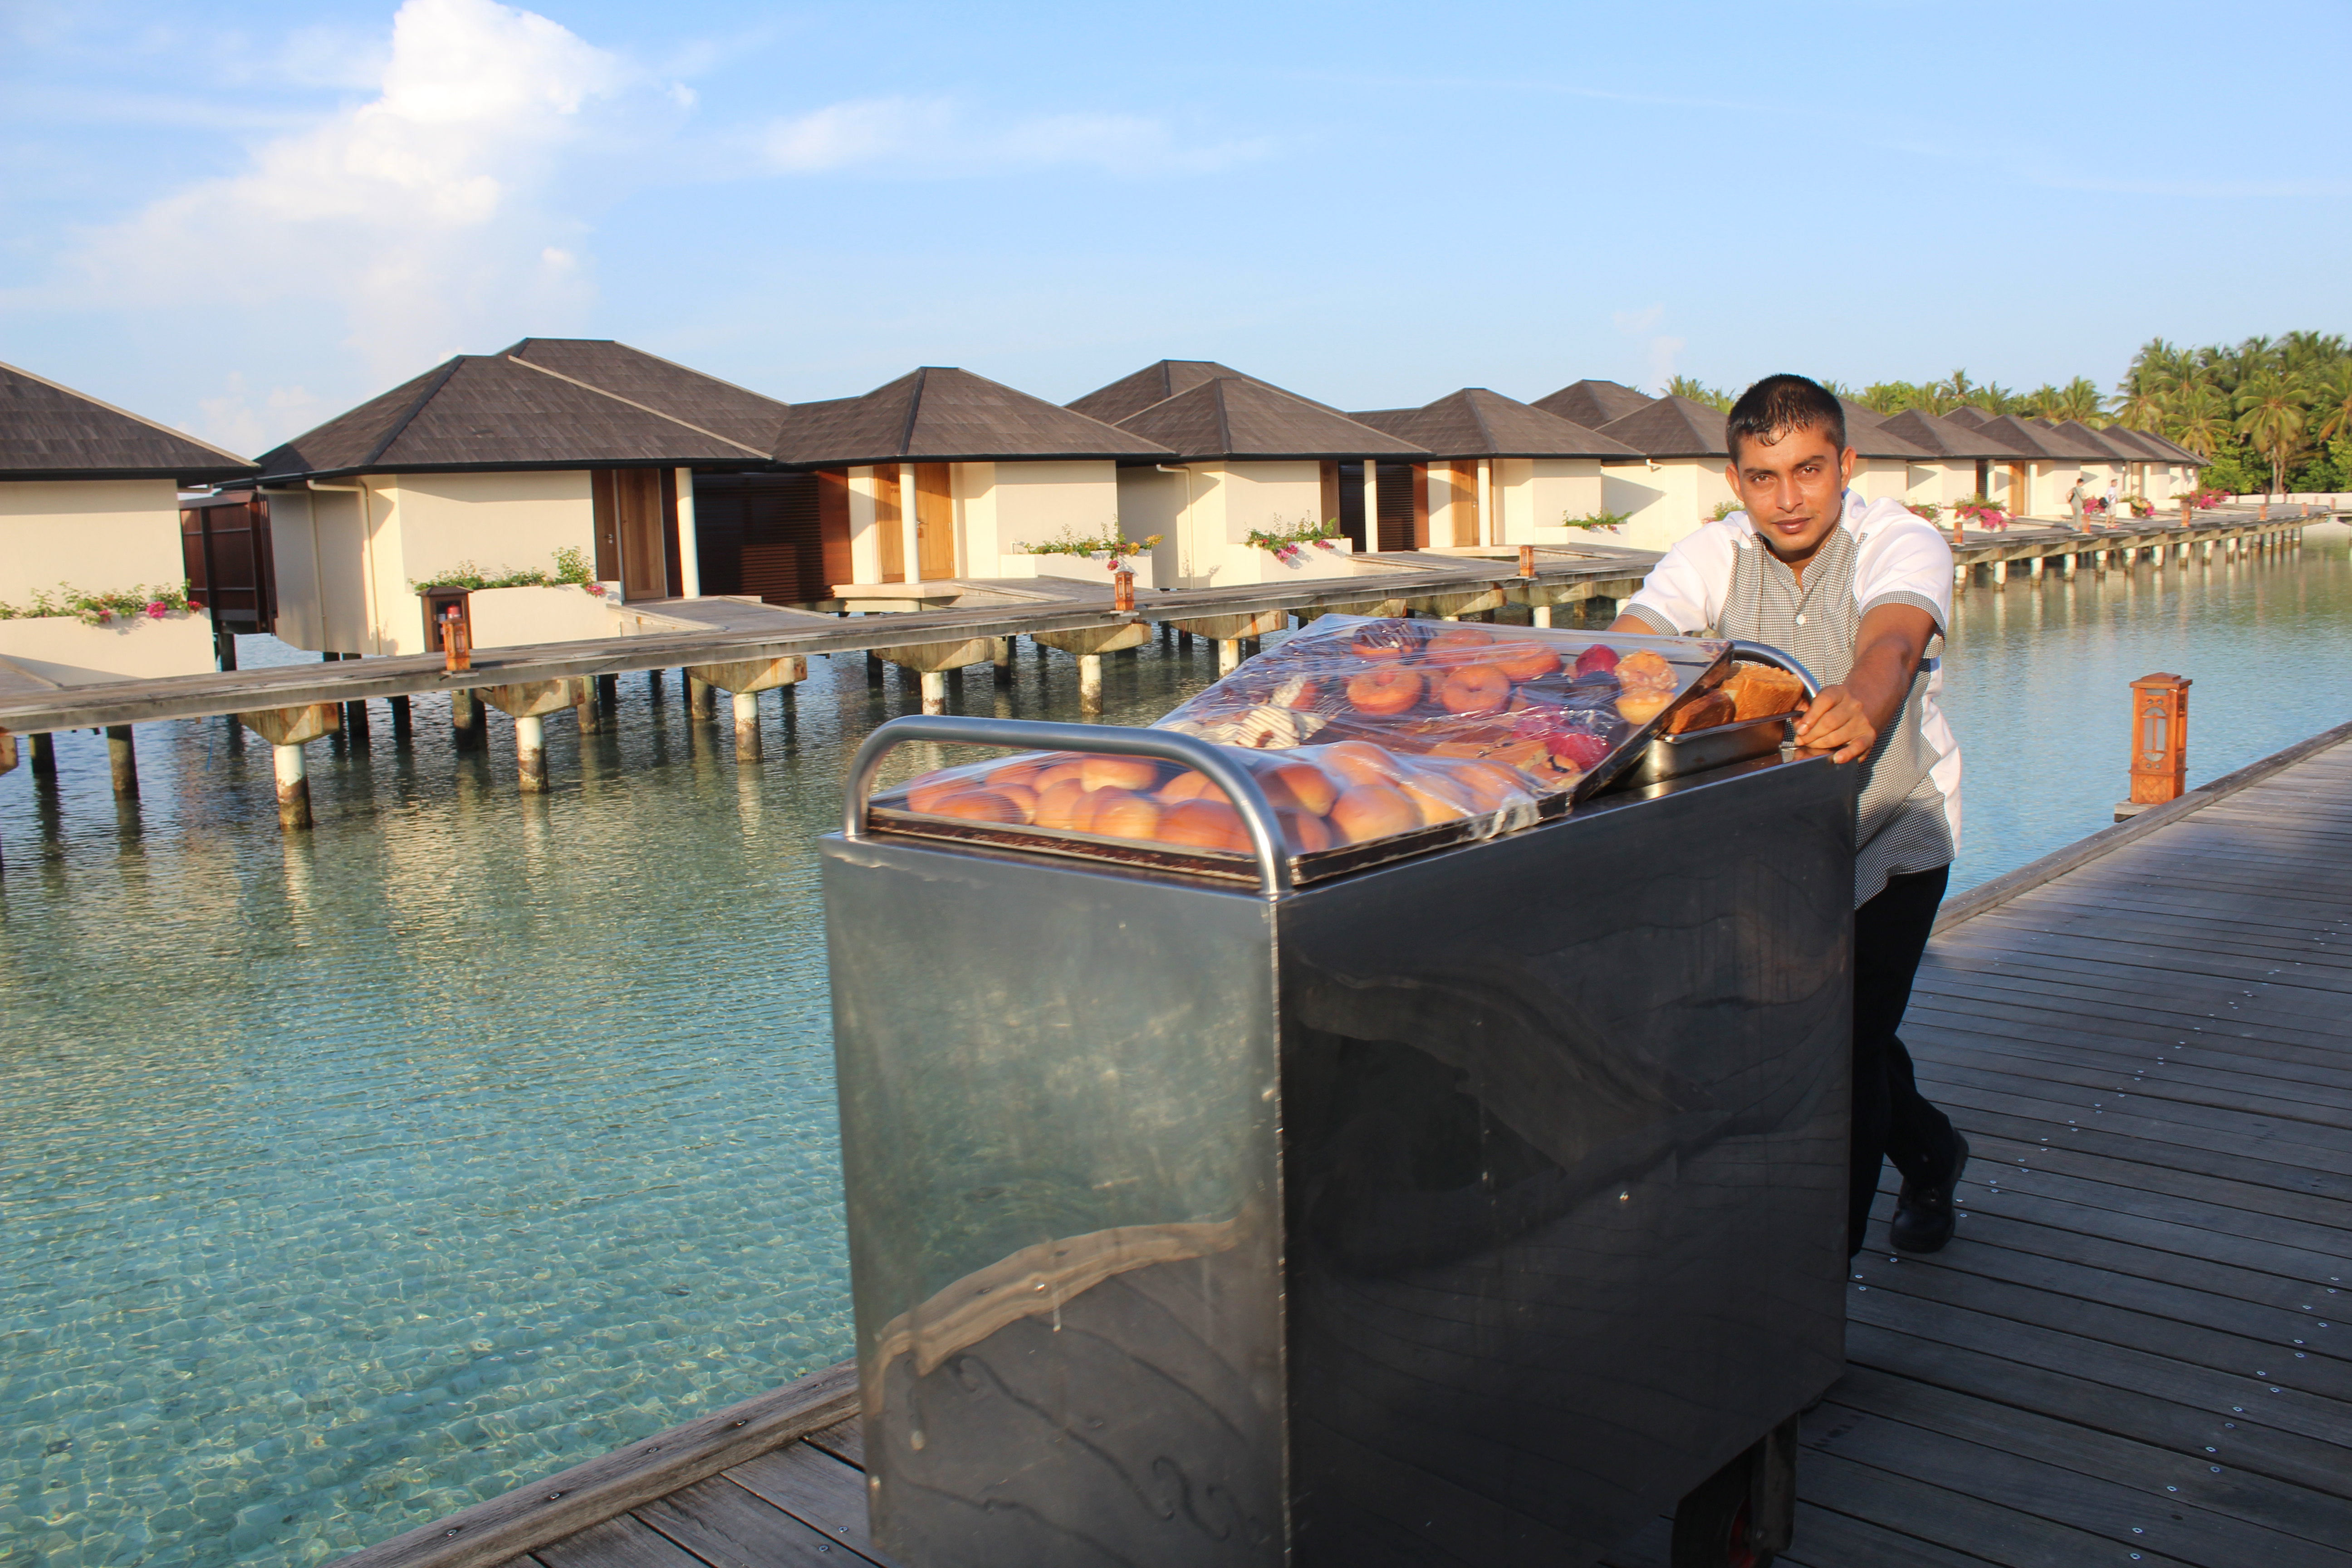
(348, 1179)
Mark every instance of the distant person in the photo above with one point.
(2110, 508)
(1861, 593)
(2077, 497)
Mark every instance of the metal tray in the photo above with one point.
(1696, 750)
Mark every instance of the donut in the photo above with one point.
(1370, 811)
(1640, 704)
(1645, 667)
(981, 805)
(1121, 815)
(1598, 659)
(1057, 804)
(1525, 660)
(1387, 639)
(1475, 689)
(1189, 784)
(1458, 644)
(1305, 832)
(1119, 773)
(1385, 689)
(1360, 763)
(926, 793)
(1307, 788)
(1205, 825)
(1023, 771)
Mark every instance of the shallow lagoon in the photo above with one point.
(348, 1180)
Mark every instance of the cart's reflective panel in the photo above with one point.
(1482, 1202)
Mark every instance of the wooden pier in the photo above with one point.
(2131, 1354)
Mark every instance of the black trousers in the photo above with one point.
(1892, 1119)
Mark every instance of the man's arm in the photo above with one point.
(1846, 718)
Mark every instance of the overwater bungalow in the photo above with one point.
(1965, 457)
(580, 459)
(1888, 465)
(1501, 473)
(1675, 483)
(2157, 469)
(1251, 467)
(89, 529)
(2043, 465)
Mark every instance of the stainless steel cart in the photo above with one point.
(1473, 1206)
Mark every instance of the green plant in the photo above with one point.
(1699, 392)
(1593, 519)
(1924, 508)
(571, 570)
(128, 604)
(1285, 541)
(1113, 544)
(1723, 509)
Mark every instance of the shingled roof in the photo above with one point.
(942, 414)
(651, 382)
(1947, 438)
(498, 411)
(1866, 433)
(1594, 403)
(1239, 419)
(52, 432)
(2040, 438)
(1672, 427)
(2108, 442)
(2148, 446)
(1476, 423)
(1131, 394)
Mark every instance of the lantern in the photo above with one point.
(2159, 758)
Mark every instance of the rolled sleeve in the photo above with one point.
(1906, 563)
(1685, 591)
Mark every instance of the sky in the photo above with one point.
(244, 219)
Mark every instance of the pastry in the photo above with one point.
(1598, 659)
(1300, 784)
(1058, 803)
(1475, 689)
(1645, 667)
(1385, 640)
(1579, 749)
(1360, 763)
(1119, 773)
(1023, 798)
(1370, 811)
(980, 805)
(1124, 816)
(1385, 689)
(1023, 771)
(1187, 786)
(1640, 704)
(1305, 832)
(1703, 711)
(1205, 825)
(926, 793)
(1759, 691)
(1525, 660)
(1458, 644)
(1435, 796)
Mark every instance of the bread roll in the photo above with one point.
(1370, 811)
(1119, 773)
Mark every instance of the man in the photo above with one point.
(1860, 592)
(2077, 497)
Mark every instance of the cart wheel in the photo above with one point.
(1746, 1513)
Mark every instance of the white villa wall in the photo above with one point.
(864, 537)
(66, 650)
(500, 522)
(517, 617)
(102, 536)
(1881, 478)
(325, 579)
(1033, 503)
(1665, 498)
(1207, 512)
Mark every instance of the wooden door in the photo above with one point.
(634, 533)
(1420, 475)
(2019, 502)
(1463, 510)
(935, 540)
(888, 531)
(833, 527)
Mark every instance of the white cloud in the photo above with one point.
(1663, 355)
(232, 419)
(936, 136)
(422, 213)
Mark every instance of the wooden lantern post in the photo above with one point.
(2160, 764)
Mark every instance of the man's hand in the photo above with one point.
(1844, 720)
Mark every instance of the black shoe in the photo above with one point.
(1924, 1218)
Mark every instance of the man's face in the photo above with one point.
(1793, 488)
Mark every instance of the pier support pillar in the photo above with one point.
(45, 756)
(744, 679)
(590, 713)
(2037, 566)
(122, 760)
(531, 754)
(1183, 640)
(1089, 643)
(935, 690)
(7, 763)
(1539, 615)
(465, 732)
(747, 725)
(1229, 655)
(2000, 571)
(400, 717)
(1000, 657)
(355, 722)
(1090, 684)
(2066, 565)
(527, 703)
(699, 701)
(288, 730)
(1959, 576)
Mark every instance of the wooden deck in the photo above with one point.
(2132, 1351)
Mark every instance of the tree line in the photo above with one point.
(2269, 414)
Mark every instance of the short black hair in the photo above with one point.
(1779, 403)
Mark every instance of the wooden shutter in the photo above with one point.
(887, 524)
(673, 566)
(608, 524)
(1421, 506)
(833, 528)
(935, 537)
(1400, 484)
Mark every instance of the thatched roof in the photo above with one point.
(942, 414)
(505, 411)
(52, 432)
(1476, 423)
(1672, 427)
(1131, 394)
(1242, 420)
(1594, 403)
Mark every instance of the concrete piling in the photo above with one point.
(467, 733)
(935, 690)
(355, 722)
(1229, 655)
(699, 701)
(122, 760)
(1000, 657)
(293, 787)
(527, 703)
(747, 726)
(531, 754)
(743, 680)
(45, 756)
(1539, 615)
(288, 730)
(400, 717)
(1090, 684)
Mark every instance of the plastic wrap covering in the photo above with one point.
(1370, 738)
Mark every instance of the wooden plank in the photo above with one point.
(2182, 988)
(729, 1527)
(812, 1485)
(2006, 1148)
(2161, 1474)
(2297, 1120)
(2184, 949)
(843, 1440)
(1937, 1513)
(620, 1543)
(2160, 1042)
(1930, 1025)
(530, 1517)
(2257, 1137)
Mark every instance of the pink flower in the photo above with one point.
(157, 609)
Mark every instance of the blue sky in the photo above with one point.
(243, 219)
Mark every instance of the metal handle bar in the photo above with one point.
(1028, 734)
(1778, 660)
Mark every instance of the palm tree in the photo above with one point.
(1959, 388)
(1699, 392)
(2271, 418)
(2199, 418)
(2078, 399)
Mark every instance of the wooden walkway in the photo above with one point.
(2132, 1351)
